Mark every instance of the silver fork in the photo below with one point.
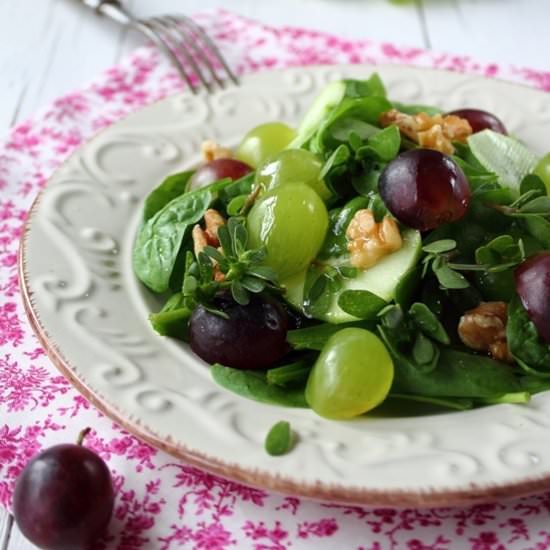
(184, 42)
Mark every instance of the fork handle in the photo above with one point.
(113, 9)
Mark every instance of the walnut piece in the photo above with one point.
(213, 151)
(484, 329)
(369, 241)
(200, 242)
(213, 220)
(433, 132)
(209, 236)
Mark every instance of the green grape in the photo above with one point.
(263, 142)
(291, 222)
(542, 170)
(352, 375)
(293, 166)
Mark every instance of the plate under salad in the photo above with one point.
(360, 255)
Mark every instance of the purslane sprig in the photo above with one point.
(500, 254)
(241, 269)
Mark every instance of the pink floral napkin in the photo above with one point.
(161, 503)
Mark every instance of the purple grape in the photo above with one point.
(424, 189)
(64, 498)
(218, 169)
(252, 337)
(481, 120)
(533, 287)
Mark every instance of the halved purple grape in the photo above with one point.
(481, 120)
(424, 189)
(251, 337)
(533, 287)
(218, 169)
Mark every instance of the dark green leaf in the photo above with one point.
(292, 373)
(159, 239)
(424, 352)
(407, 287)
(214, 253)
(385, 145)
(338, 157)
(225, 241)
(539, 228)
(239, 293)
(457, 403)
(428, 323)
(253, 385)
(263, 272)
(172, 319)
(355, 141)
(173, 186)
(361, 303)
(449, 278)
(524, 341)
(241, 186)
(540, 206)
(315, 337)
(235, 205)
(378, 207)
(392, 316)
(362, 88)
(206, 268)
(280, 439)
(440, 247)
(458, 374)
(532, 182)
(252, 284)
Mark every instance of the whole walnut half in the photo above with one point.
(484, 329)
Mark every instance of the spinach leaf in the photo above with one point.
(315, 337)
(352, 116)
(173, 186)
(159, 239)
(361, 303)
(292, 373)
(458, 374)
(172, 319)
(383, 145)
(456, 403)
(362, 88)
(524, 341)
(253, 385)
(242, 186)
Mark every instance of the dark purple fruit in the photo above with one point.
(481, 120)
(533, 287)
(424, 189)
(64, 498)
(217, 170)
(253, 336)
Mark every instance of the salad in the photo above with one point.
(378, 252)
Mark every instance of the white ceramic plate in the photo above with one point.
(91, 313)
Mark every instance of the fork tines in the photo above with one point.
(192, 51)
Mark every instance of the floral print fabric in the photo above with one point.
(163, 504)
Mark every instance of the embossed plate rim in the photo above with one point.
(429, 497)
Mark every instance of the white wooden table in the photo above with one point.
(48, 47)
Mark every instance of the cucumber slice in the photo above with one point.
(506, 157)
(325, 102)
(381, 279)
